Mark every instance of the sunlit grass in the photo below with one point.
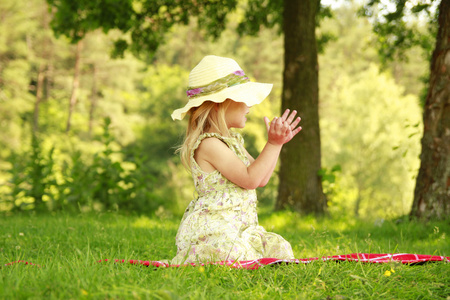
(68, 247)
(148, 223)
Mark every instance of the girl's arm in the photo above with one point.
(267, 178)
(220, 157)
(268, 175)
(285, 118)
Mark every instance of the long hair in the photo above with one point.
(208, 117)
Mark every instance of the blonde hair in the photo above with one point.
(208, 117)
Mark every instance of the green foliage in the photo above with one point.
(67, 249)
(77, 188)
(395, 30)
(262, 13)
(32, 179)
(145, 22)
(114, 185)
(69, 19)
(328, 177)
(365, 115)
(107, 182)
(103, 182)
(161, 90)
(269, 14)
(363, 141)
(15, 99)
(131, 165)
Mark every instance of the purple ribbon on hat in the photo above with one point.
(235, 78)
(194, 92)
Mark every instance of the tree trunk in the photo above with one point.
(39, 94)
(75, 85)
(43, 70)
(49, 76)
(432, 193)
(300, 186)
(93, 99)
(357, 203)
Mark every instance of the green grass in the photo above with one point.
(67, 248)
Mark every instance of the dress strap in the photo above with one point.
(203, 136)
(235, 143)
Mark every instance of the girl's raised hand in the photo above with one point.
(282, 130)
(293, 122)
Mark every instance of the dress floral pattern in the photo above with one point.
(222, 223)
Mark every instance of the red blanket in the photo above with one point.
(257, 263)
(403, 258)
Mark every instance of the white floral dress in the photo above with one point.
(221, 223)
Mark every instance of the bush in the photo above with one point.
(101, 182)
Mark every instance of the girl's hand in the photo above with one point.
(293, 122)
(282, 130)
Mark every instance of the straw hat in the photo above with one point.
(218, 78)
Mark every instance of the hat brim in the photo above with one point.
(250, 93)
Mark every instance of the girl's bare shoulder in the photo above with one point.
(210, 145)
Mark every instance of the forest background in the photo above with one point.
(105, 141)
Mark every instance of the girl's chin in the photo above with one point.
(239, 125)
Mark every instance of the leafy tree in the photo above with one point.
(138, 165)
(15, 98)
(146, 23)
(32, 178)
(36, 72)
(301, 190)
(372, 131)
(370, 125)
(300, 186)
(432, 192)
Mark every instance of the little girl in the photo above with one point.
(221, 223)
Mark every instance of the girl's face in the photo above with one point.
(235, 114)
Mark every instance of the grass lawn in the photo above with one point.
(67, 248)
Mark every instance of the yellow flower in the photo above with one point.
(201, 269)
(388, 273)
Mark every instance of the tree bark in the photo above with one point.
(93, 99)
(432, 192)
(43, 70)
(39, 95)
(49, 76)
(300, 186)
(357, 203)
(75, 85)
